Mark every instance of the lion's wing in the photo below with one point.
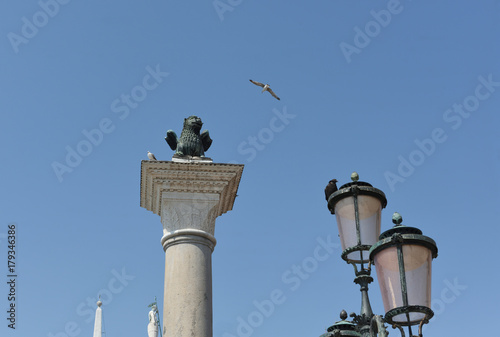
(171, 139)
(205, 140)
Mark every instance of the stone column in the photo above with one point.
(188, 197)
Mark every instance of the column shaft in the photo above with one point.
(187, 309)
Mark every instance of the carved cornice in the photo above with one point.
(203, 179)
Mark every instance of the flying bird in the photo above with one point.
(266, 88)
(330, 188)
(151, 156)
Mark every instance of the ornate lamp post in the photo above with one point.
(401, 255)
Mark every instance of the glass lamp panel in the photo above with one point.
(418, 264)
(370, 210)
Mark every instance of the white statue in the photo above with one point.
(153, 322)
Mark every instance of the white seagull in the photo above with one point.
(151, 156)
(266, 88)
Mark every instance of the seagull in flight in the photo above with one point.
(266, 88)
(151, 156)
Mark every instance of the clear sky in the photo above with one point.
(406, 93)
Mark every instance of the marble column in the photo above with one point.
(188, 197)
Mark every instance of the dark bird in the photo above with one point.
(265, 88)
(330, 188)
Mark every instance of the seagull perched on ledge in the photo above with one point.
(151, 156)
(266, 88)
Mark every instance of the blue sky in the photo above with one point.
(406, 93)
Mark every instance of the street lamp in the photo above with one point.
(403, 260)
(402, 257)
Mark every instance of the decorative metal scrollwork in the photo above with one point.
(377, 327)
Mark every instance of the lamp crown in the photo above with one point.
(354, 176)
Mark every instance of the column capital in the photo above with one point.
(198, 192)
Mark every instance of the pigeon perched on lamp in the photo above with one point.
(331, 188)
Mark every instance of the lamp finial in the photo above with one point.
(397, 219)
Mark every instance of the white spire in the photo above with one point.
(98, 319)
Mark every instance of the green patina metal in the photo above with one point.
(342, 328)
(363, 188)
(409, 235)
(356, 248)
(191, 142)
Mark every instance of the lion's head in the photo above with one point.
(193, 123)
